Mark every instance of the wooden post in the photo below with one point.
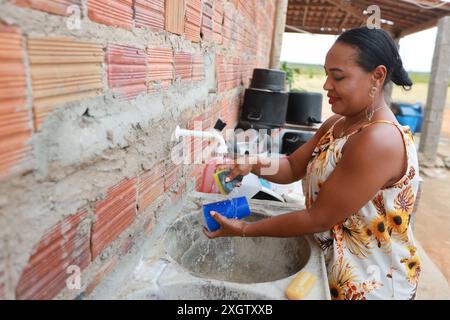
(278, 31)
(437, 94)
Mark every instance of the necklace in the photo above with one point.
(372, 113)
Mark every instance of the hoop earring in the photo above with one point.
(372, 92)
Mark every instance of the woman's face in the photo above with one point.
(347, 83)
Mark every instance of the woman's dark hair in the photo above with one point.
(376, 47)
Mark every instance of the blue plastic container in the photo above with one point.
(409, 115)
(236, 208)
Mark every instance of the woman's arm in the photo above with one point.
(370, 160)
(284, 170)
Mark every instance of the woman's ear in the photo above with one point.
(379, 75)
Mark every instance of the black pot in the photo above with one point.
(246, 125)
(265, 107)
(304, 108)
(268, 79)
(291, 141)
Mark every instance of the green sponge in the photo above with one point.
(226, 187)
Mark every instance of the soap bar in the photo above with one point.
(300, 286)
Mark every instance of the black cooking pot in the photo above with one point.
(304, 108)
(291, 141)
(268, 79)
(265, 107)
(246, 125)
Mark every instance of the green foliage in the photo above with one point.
(290, 73)
(298, 90)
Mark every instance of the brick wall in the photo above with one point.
(90, 92)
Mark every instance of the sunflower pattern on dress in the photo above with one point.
(371, 254)
(344, 284)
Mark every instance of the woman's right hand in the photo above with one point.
(239, 170)
(239, 167)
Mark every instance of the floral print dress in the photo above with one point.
(371, 254)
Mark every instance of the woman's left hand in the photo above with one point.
(228, 227)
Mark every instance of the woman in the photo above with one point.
(361, 172)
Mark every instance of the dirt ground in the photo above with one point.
(432, 228)
(446, 123)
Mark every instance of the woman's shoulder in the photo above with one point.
(384, 136)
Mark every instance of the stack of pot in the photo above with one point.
(304, 108)
(266, 101)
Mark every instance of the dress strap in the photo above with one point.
(334, 124)
(371, 123)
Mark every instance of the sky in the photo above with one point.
(416, 50)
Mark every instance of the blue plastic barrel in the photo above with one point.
(409, 114)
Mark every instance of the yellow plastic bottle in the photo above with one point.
(300, 286)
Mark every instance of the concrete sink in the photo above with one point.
(242, 260)
(179, 262)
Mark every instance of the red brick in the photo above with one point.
(183, 65)
(221, 73)
(58, 7)
(150, 14)
(160, 68)
(127, 71)
(63, 70)
(270, 9)
(196, 123)
(116, 13)
(232, 75)
(216, 106)
(175, 16)
(228, 27)
(46, 272)
(207, 20)
(105, 269)
(150, 187)
(247, 70)
(193, 20)
(207, 122)
(218, 21)
(15, 122)
(240, 36)
(198, 68)
(113, 215)
(172, 174)
(247, 9)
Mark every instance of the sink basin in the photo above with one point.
(236, 259)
